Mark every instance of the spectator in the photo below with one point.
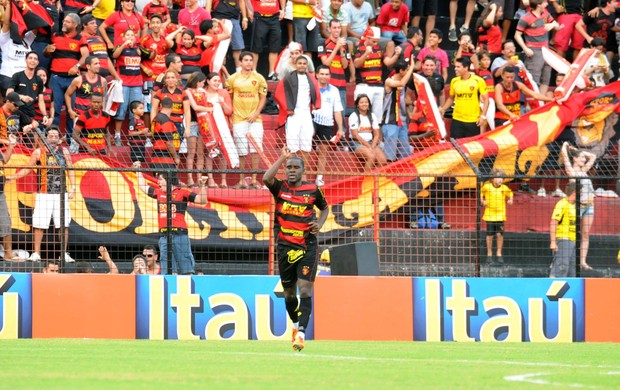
(467, 91)
(532, 36)
(139, 265)
(95, 138)
(334, 54)
(394, 129)
(166, 140)
(128, 61)
(330, 113)
(93, 44)
(302, 97)
(509, 59)
(195, 90)
(266, 32)
(467, 49)
(65, 53)
(335, 10)
(77, 97)
(105, 256)
(411, 47)
(598, 69)
(469, 12)
(44, 114)
(418, 110)
(13, 55)
(494, 195)
(192, 15)
(577, 163)
(365, 132)
(159, 8)
(393, 20)
(296, 230)
(362, 16)
(248, 91)
(216, 96)
(14, 121)
(305, 26)
(182, 257)
(489, 32)
(509, 101)
(5, 219)
(600, 23)
(569, 14)
(232, 10)
(29, 86)
(138, 132)
(47, 202)
(369, 60)
(180, 114)
(432, 41)
(174, 64)
(51, 268)
(44, 36)
(102, 10)
(121, 21)
(562, 235)
(427, 8)
(152, 259)
(188, 48)
(295, 50)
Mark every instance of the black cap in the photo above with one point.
(598, 41)
(13, 97)
(87, 19)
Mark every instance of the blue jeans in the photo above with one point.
(59, 86)
(129, 95)
(182, 257)
(397, 37)
(395, 142)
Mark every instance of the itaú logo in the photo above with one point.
(512, 310)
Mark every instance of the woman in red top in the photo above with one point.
(188, 48)
(489, 32)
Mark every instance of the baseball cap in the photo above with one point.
(598, 41)
(87, 19)
(13, 97)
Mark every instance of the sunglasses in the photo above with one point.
(149, 256)
(130, 1)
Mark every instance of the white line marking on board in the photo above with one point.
(532, 378)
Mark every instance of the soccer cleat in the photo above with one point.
(295, 331)
(34, 257)
(298, 344)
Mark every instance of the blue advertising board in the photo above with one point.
(15, 306)
(494, 309)
(211, 307)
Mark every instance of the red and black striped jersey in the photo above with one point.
(128, 67)
(97, 48)
(179, 199)
(178, 97)
(67, 53)
(371, 71)
(164, 131)
(94, 128)
(86, 90)
(336, 69)
(295, 211)
(47, 100)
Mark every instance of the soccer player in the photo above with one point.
(296, 228)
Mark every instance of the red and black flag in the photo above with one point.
(27, 16)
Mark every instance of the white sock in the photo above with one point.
(296, 325)
(319, 177)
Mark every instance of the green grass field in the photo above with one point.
(61, 363)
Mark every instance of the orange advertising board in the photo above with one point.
(83, 305)
(363, 308)
(602, 313)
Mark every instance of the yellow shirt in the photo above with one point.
(495, 210)
(104, 9)
(302, 11)
(565, 213)
(246, 92)
(466, 94)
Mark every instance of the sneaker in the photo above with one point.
(320, 182)
(464, 29)
(542, 192)
(295, 331)
(444, 225)
(74, 148)
(298, 344)
(525, 187)
(183, 147)
(148, 143)
(117, 140)
(558, 193)
(452, 35)
(68, 258)
(34, 257)
(499, 259)
(273, 77)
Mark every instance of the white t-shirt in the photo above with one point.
(303, 94)
(330, 103)
(14, 56)
(363, 126)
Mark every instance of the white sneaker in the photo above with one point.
(558, 193)
(320, 182)
(148, 143)
(74, 148)
(542, 193)
(183, 147)
(68, 258)
(34, 257)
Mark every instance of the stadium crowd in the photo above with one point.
(150, 75)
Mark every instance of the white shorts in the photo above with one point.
(299, 132)
(47, 206)
(240, 134)
(375, 94)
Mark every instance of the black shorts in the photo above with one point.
(460, 129)
(494, 228)
(138, 153)
(297, 263)
(424, 8)
(323, 133)
(266, 34)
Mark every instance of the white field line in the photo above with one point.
(532, 378)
